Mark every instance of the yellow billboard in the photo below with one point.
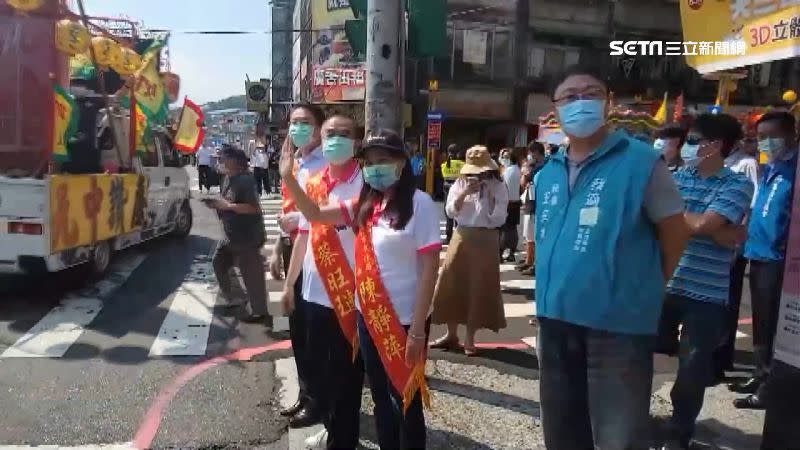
(86, 209)
(736, 33)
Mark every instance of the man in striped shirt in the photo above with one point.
(716, 200)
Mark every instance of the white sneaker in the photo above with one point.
(318, 441)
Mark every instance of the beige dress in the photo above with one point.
(468, 289)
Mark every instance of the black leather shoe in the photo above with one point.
(292, 410)
(306, 417)
(749, 386)
(752, 401)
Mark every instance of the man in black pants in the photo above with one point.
(768, 232)
(259, 162)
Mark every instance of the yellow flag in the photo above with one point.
(190, 130)
(149, 89)
(142, 128)
(65, 122)
(661, 114)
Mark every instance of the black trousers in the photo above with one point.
(509, 235)
(336, 378)
(782, 421)
(724, 355)
(298, 329)
(766, 284)
(202, 175)
(262, 180)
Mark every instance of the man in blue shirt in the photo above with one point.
(768, 232)
(609, 234)
(715, 198)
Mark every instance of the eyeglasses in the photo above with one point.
(589, 94)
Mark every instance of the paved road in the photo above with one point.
(145, 357)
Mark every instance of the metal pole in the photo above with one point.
(382, 103)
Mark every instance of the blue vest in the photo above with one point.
(768, 229)
(598, 262)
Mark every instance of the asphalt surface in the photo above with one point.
(106, 386)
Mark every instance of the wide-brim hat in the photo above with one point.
(384, 139)
(478, 161)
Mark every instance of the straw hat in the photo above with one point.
(478, 161)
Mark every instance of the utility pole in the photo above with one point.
(382, 103)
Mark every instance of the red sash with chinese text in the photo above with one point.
(384, 326)
(332, 265)
(288, 204)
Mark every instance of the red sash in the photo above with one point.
(332, 265)
(383, 324)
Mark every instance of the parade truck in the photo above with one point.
(72, 189)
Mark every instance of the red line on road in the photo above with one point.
(498, 345)
(152, 419)
(746, 321)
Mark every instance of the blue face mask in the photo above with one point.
(505, 162)
(659, 145)
(381, 176)
(771, 146)
(582, 118)
(300, 133)
(337, 149)
(689, 154)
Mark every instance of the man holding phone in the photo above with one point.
(239, 210)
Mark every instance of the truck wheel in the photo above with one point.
(183, 221)
(101, 259)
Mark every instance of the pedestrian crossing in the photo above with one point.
(183, 324)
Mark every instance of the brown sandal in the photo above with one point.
(444, 343)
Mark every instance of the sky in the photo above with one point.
(211, 67)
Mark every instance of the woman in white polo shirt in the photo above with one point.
(326, 255)
(396, 266)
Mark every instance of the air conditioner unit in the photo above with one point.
(257, 93)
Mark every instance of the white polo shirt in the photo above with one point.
(398, 252)
(347, 188)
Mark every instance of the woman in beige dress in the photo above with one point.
(468, 290)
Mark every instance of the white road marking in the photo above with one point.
(531, 341)
(740, 335)
(185, 329)
(53, 335)
(513, 310)
(518, 284)
(279, 321)
(286, 373)
(509, 267)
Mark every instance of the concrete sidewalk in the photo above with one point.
(478, 408)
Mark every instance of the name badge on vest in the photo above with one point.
(589, 216)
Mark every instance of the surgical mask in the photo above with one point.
(300, 133)
(582, 118)
(505, 162)
(381, 176)
(771, 146)
(689, 154)
(659, 145)
(337, 149)
(530, 158)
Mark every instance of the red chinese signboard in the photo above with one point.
(334, 84)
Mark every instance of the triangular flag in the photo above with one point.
(149, 89)
(661, 114)
(677, 115)
(65, 122)
(190, 131)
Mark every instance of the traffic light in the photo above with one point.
(427, 27)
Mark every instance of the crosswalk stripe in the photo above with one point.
(518, 284)
(53, 335)
(513, 310)
(185, 330)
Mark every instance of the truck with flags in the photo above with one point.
(88, 163)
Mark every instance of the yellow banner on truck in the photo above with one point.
(86, 209)
(722, 35)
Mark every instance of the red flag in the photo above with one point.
(190, 131)
(678, 113)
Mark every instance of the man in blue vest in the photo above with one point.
(609, 234)
(717, 200)
(768, 232)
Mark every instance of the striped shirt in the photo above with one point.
(703, 272)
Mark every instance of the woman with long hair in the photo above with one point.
(396, 265)
(468, 291)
